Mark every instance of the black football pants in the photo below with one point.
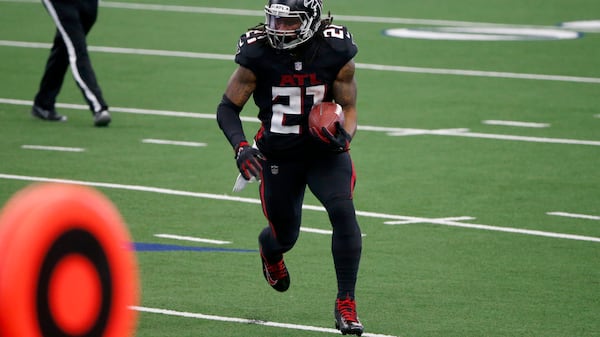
(331, 179)
(74, 20)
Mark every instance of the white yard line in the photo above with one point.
(460, 132)
(224, 197)
(52, 148)
(478, 73)
(515, 138)
(377, 67)
(516, 123)
(573, 215)
(260, 13)
(172, 142)
(316, 230)
(417, 221)
(321, 231)
(191, 238)
(245, 321)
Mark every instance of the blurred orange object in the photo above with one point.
(67, 265)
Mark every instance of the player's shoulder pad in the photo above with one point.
(339, 38)
(251, 44)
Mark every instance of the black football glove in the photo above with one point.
(340, 142)
(248, 161)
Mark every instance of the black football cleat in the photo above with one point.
(47, 115)
(102, 118)
(276, 274)
(346, 319)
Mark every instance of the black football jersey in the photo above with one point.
(289, 82)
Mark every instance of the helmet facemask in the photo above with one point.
(287, 28)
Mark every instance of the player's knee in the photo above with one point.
(342, 214)
(284, 239)
(288, 239)
(339, 206)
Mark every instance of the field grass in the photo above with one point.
(460, 240)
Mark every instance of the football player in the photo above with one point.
(294, 60)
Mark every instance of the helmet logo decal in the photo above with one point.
(312, 4)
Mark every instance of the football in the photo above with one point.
(325, 114)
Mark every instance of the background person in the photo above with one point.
(74, 20)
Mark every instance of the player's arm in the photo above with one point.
(239, 88)
(344, 94)
(241, 85)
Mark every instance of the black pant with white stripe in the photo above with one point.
(73, 20)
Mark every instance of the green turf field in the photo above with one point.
(478, 166)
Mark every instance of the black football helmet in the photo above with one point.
(289, 23)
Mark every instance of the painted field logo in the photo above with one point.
(484, 33)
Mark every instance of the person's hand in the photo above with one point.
(340, 142)
(249, 161)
